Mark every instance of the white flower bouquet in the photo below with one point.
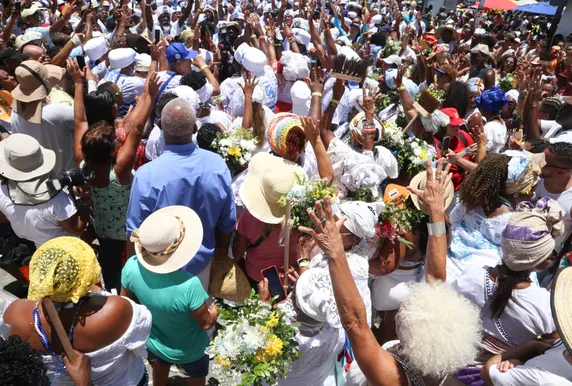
(236, 148)
(256, 344)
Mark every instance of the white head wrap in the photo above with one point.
(359, 173)
(295, 66)
(188, 94)
(361, 217)
(205, 92)
(436, 121)
(513, 94)
(315, 296)
(236, 105)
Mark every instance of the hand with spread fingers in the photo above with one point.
(326, 232)
(367, 103)
(250, 84)
(433, 196)
(311, 129)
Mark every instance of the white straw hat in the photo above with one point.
(561, 303)
(168, 239)
(23, 159)
(268, 178)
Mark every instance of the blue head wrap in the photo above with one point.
(492, 101)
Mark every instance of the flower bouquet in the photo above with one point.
(236, 148)
(392, 47)
(384, 100)
(303, 197)
(507, 83)
(256, 344)
(395, 220)
(434, 91)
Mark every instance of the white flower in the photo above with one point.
(417, 151)
(225, 142)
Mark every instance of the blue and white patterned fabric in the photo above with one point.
(269, 83)
(476, 240)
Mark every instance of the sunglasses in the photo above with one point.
(557, 167)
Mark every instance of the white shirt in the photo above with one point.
(38, 223)
(54, 133)
(548, 369)
(495, 132)
(565, 201)
(550, 130)
(173, 82)
(526, 315)
(215, 117)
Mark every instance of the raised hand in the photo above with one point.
(77, 74)
(316, 82)
(154, 85)
(367, 103)
(311, 129)
(434, 193)
(249, 85)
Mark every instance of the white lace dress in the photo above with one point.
(120, 363)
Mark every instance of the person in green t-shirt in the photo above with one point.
(166, 241)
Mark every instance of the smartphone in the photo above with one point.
(157, 36)
(274, 283)
(80, 62)
(445, 146)
(18, 5)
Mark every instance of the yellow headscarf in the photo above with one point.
(63, 269)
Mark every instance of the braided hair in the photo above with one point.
(20, 364)
(485, 186)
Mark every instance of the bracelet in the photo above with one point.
(401, 88)
(318, 94)
(203, 67)
(278, 45)
(304, 264)
(253, 36)
(261, 37)
(436, 228)
(335, 102)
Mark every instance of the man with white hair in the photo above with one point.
(189, 176)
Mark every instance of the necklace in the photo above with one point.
(504, 201)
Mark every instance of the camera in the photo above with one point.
(71, 178)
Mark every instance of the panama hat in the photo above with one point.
(168, 239)
(23, 159)
(561, 304)
(268, 179)
(448, 27)
(419, 182)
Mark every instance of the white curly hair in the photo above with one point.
(439, 330)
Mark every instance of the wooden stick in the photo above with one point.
(55, 318)
(410, 123)
(287, 242)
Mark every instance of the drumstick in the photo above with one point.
(55, 318)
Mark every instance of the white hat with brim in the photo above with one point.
(28, 38)
(120, 58)
(561, 304)
(23, 159)
(268, 179)
(95, 48)
(29, 11)
(35, 80)
(419, 182)
(448, 27)
(168, 239)
(254, 61)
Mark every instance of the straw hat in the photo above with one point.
(448, 27)
(419, 182)
(168, 239)
(561, 305)
(268, 179)
(228, 281)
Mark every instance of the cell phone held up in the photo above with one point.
(80, 62)
(274, 283)
(445, 146)
(18, 6)
(157, 36)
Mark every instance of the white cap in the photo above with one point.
(352, 14)
(302, 36)
(95, 48)
(142, 62)
(254, 61)
(239, 52)
(393, 59)
(301, 95)
(377, 19)
(121, 57)
(162, 10)
(28, 38)
(29, 11)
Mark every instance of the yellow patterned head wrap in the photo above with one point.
(63, 269)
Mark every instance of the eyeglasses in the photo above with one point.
(118, 92)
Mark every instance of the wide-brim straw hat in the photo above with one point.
(419, 182)
(561, 304)
(448, 27)
(168, 239)
(228, 281)
(35, 80)
(268, 179)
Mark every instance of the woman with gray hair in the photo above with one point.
(514, 310)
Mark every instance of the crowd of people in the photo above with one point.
(404, 173)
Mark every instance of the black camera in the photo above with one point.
(71, 178)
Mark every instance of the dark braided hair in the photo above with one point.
(507, 281)
(485, 186)
(457, 96)
(20, 365)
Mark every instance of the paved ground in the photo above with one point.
(9, 284)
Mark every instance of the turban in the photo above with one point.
(361, 217)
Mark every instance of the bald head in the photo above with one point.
(476, 119)
(178, 120)
(34, 52)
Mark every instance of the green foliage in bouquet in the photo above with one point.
(507, 83)
(303, 197)
(236, 148)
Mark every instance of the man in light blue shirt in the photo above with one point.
(189, 176)
(33, 18)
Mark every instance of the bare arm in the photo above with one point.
(248, 89)
(239, 247)
(325, 133)
(186, 12)
(59, 24)
(325, 168)
(8, 30)
(206, 316)
(80, 118)
(62, 56)
(200, 63)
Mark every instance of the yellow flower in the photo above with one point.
(235, 151)
(273, 347)
(263, 329)
(423, 154)
(223, 361)
(273, 320)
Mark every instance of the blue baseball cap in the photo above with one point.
(178, 51)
